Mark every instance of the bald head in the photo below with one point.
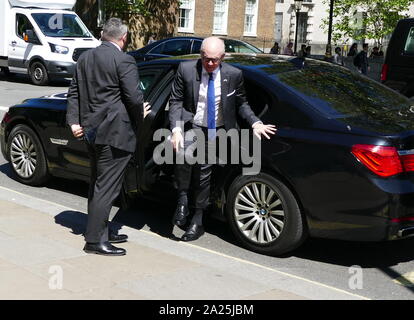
(213, 45)
(212, 53)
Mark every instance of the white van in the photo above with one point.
(43, 38)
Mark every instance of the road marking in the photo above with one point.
(406, 280)
(5, 109)
(213, 252)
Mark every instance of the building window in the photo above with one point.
(250, 17)
(186, 16)
(221, 8)
(302, 26)
(278, 26)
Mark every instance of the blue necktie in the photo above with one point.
(211, 108)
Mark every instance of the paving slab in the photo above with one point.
(38, 238)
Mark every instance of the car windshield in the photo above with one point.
(61, 25)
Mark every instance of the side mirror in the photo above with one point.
(30, 37)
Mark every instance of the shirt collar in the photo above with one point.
(119, 48)
(215, 72)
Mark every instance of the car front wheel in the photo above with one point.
(264, 215)
(26, 155)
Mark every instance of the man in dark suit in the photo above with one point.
(207, 95)
(105, 106)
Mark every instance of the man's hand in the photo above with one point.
(77, 130)
(147, 109)
(177, 140)
(260, 129)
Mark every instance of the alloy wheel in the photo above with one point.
(259, 213)
(23, 155)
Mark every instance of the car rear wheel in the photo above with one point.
(264, 215)
(38, 74)
(27, 156)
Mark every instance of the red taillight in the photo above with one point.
(384, 72)
(383, 161)
(407, 162)
(404, 219)
(6, 117)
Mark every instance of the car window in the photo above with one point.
(172, 48)
(149, 77)
(22, 24)
(339, 93)
(239, 47)
(409, 43)
(196, 46)
(257, 97)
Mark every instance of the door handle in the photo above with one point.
(13, 42)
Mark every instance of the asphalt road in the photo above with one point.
(372, 270)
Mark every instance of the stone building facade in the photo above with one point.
(249, 20)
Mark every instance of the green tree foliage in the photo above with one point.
(378, 18)
(125, 8)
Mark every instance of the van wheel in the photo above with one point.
(6, 71)
(264, 215)
(27, 157)
(38, 74)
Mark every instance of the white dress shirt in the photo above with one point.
(200, 118)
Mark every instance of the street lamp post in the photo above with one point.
(328, 52)
(298, 6)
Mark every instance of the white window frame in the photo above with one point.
(191, 7)
(253, 32)
(223, 30)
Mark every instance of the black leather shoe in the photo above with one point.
(193, 232)
(104, 248)
(180, 215)
(117, 238)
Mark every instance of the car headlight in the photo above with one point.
(58, 49)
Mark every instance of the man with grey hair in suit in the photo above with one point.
(207, 95)
(105, 107)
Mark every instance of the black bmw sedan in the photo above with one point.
(340, 166)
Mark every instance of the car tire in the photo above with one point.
(27, 157)
(38, 74)
(259, 228)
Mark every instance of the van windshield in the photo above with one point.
(61, 25)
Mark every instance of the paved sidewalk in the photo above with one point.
(41, 257)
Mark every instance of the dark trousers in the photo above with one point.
(108, 166)
(193, 180)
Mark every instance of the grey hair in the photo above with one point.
(220, 43)
(114, 29)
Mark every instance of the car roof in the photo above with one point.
(261, 62)
(154, 44)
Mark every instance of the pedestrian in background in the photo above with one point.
(288, 50)
(105, 106)
(376, 53)
(338, 58)
(275, 49)
(361, 60)
(308, 51)
(151, 39)
(353, 50)
(302, 51)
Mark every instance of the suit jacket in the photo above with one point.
(186, 87)
(104, 96)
